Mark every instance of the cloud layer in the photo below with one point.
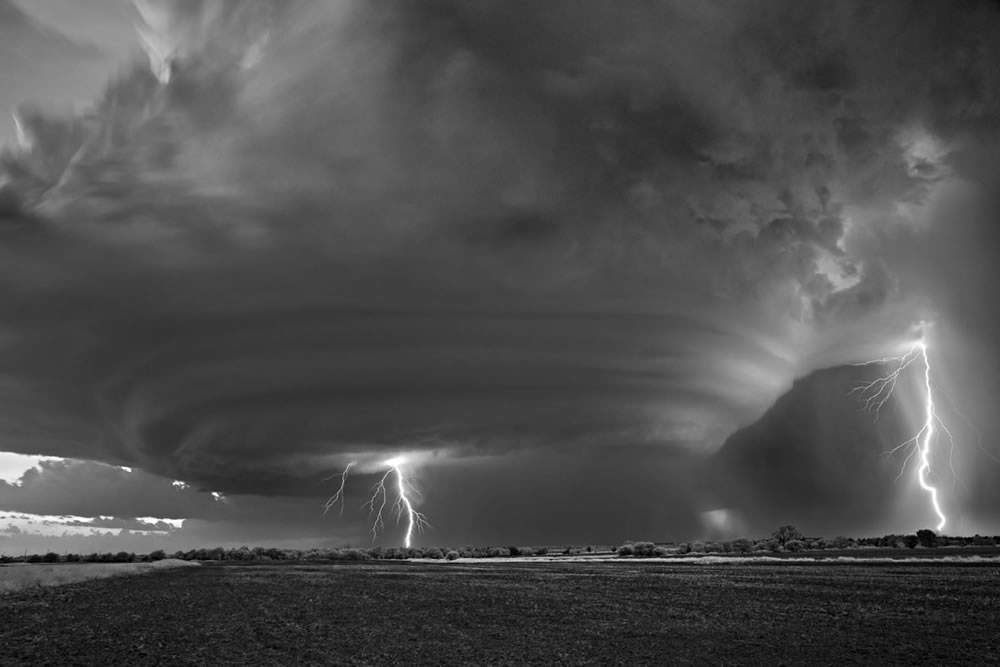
(317, 231)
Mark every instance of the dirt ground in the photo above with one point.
(511, 613)
(14, 577)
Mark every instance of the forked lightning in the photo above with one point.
(403, 505)
(876, 393)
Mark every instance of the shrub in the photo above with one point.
(684, 548)
(626, 550)
(795, 545)
(643, 549)
(73, 558)
(910, 541)
(697, 547)
(51, 557)
(541, 551)
(661, 552)
(841, 542)
(159, 554)
(514, 552)
(927, 538)
(34, 558)
(433, 552)
(452, 555)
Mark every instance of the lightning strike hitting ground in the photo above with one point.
(876, 393)
(415, 521)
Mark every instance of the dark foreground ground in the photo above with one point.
(512, 613)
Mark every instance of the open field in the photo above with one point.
(471, 612)
(21, 576)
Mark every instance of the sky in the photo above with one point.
(596, 272)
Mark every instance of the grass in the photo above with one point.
(481, 612)
(20, 576)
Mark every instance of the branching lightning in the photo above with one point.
(339, 495)
(876, 393)
(403, 505)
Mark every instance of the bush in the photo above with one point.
(786, 534)
(910, 541)
(34, 558)
(927, 538)
(795, 545)
(841, 542)
(51, 557)
(452, 555)
(661, 552)
(626, 550)
(643, 549)
(73, 558)
(159, 554)
(433, 552)
(684, 548)
(514, 552)
(541, 551)
(697, 547)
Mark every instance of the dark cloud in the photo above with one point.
(483, 231)
(87, 489)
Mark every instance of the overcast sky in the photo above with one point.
(563, 256)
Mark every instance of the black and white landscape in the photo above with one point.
(479, 331)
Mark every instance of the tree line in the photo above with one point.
(786, 539)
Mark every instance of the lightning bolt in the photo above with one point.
(402, 506)
(339, 495)
(875, 395)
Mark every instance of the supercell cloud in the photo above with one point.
(505, 236)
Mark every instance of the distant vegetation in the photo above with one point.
(263, 553)
(787, 539)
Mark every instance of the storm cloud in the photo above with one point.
(305, 233)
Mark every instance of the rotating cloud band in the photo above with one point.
(402, 506)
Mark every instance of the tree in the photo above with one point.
(742, 545)
(910, 541)
(927, 538)
(157, 555)
(786, 534)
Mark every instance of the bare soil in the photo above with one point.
(629, 612)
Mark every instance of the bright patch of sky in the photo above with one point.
(13, 466)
